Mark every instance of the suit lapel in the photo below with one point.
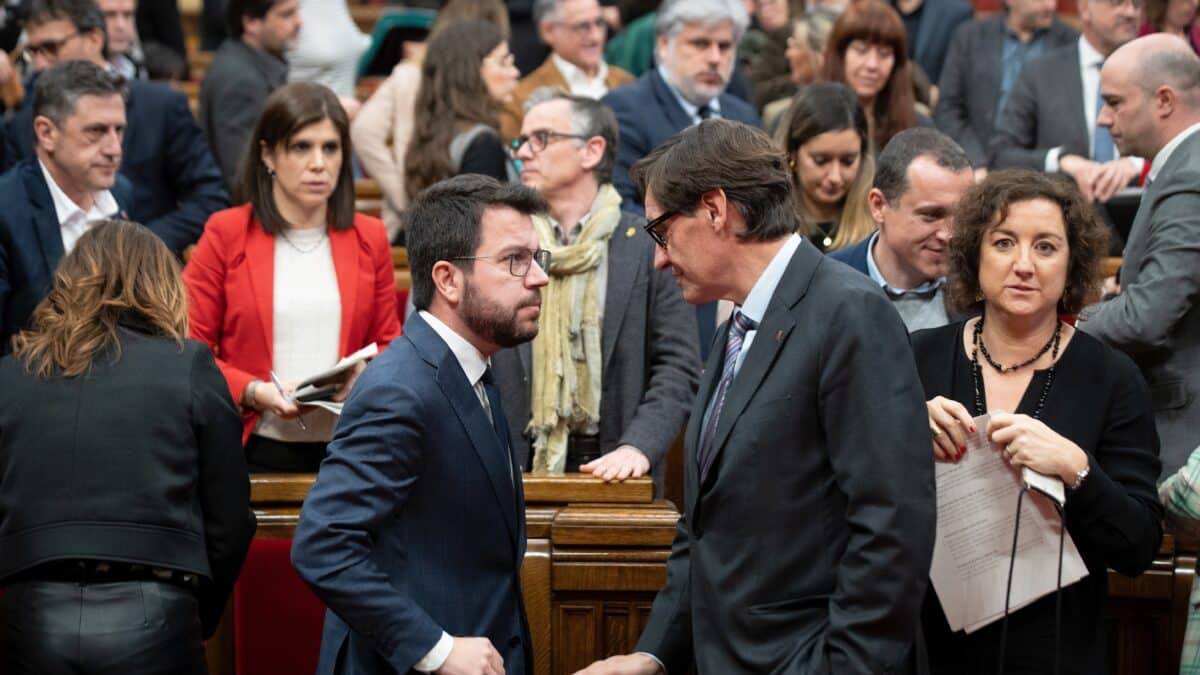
(48, 229)
(990, 55)
(677, 117)
(260, 260)
(1072, 80)
(691, 442)
(622, 273)
(344, 246)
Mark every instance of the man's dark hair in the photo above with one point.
(59, 88)
(235, 10)
(85, 15)
(728, 155)
(589, 118)
(445, 220)
(891, 169)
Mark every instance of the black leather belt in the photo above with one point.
(85, 571)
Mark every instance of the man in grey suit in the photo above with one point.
(808, 523)
(1049, 121)
(646, 357)
(1152, 104)
(984, 60)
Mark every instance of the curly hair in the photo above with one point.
(117, 270)
(985, 205)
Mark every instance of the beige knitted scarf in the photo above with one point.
(566, 351)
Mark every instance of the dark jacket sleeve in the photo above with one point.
(240, 101)
(193, 175)
(224, 488)
(485, 155)
(1014, 143)
(633, 146)
(1116, 511)
(952, 113)
(668, 632)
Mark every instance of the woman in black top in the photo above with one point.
(124, 499)
(1026, 249)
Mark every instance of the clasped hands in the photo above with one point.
(1025, 441)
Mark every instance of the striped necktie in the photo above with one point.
(738, 327)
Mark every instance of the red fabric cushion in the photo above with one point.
(276, 618)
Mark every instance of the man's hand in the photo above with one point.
(1111, 177)
(624, 462)
(472, 656)
(1083, 170)
(625, 664)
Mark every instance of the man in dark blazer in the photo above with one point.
(1049, 121)
(807, 531)
(41, 218)
(176, 183)
(244, 71)
(935, 22)
(414, 532)
(1152, 87)
(647, 354)
(984, 60)
(919, 177)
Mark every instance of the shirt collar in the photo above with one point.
(755, 306)
(1009, 34)
(690, 108)
(472, 361)
(572, 73)
(1163, 155)
(65, 209)
(1088, 56)
(877, 276)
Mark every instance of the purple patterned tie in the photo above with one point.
(738, 327)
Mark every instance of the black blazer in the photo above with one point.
(138, 461)
(1099, 400)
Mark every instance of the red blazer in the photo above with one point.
(230, 280)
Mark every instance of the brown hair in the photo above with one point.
(874, 21)
(985, 205)
(727, 155)
(452, 98)
(117, 271)
(287, 111)
(491, 11)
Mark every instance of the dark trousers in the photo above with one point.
(124, 627)
(267, 455)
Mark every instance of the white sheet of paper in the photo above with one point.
(977, 503)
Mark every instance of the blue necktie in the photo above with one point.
(1103, 150)
(496, 410)
(738, 327)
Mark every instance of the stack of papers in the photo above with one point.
(317, 390)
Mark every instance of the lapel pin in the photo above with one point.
(630, 232)
(779, 336)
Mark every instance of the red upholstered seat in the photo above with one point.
(276, 618)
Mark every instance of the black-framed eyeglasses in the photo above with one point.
(539, 139)
(49, 47)
(655, 228)
(519, 261)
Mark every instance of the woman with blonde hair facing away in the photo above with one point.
(291, 281)
(123, 494)
(382, 129)
(829, 151)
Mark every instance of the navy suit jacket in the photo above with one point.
(31, 243)
(854, 256)
(939, 20)
(648, 114)
(176, 182)
(416, 522)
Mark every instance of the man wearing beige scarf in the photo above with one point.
(605, 387)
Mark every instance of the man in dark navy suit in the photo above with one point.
(696, 50)
(176, 182)
(414, 532)
(49, 200)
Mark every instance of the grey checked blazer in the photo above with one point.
(1044, 111)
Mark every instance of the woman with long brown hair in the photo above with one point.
(123, 493)
(868, 50)
(468, 74)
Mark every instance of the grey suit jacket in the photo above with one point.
(1156, 318)
(970, 84)
(1044, 111)
(806, 549)
(650, 357)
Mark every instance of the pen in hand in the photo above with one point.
(279, 388)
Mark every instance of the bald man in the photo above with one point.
(1151, 91)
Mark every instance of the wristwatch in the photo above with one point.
(1080, 477)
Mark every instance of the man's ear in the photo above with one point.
(715, 207)
(45, 132)
(1165, 101)
(876, 202)
(448, 282)
(593, 152)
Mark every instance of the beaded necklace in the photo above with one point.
(977, 371)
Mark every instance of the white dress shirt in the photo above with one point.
(690, 108)
(1167, 150)
(578, 81)
(73, 220)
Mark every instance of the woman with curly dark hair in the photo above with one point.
(1026, 251)
(467, 76)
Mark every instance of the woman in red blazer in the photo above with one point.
(285, 285)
